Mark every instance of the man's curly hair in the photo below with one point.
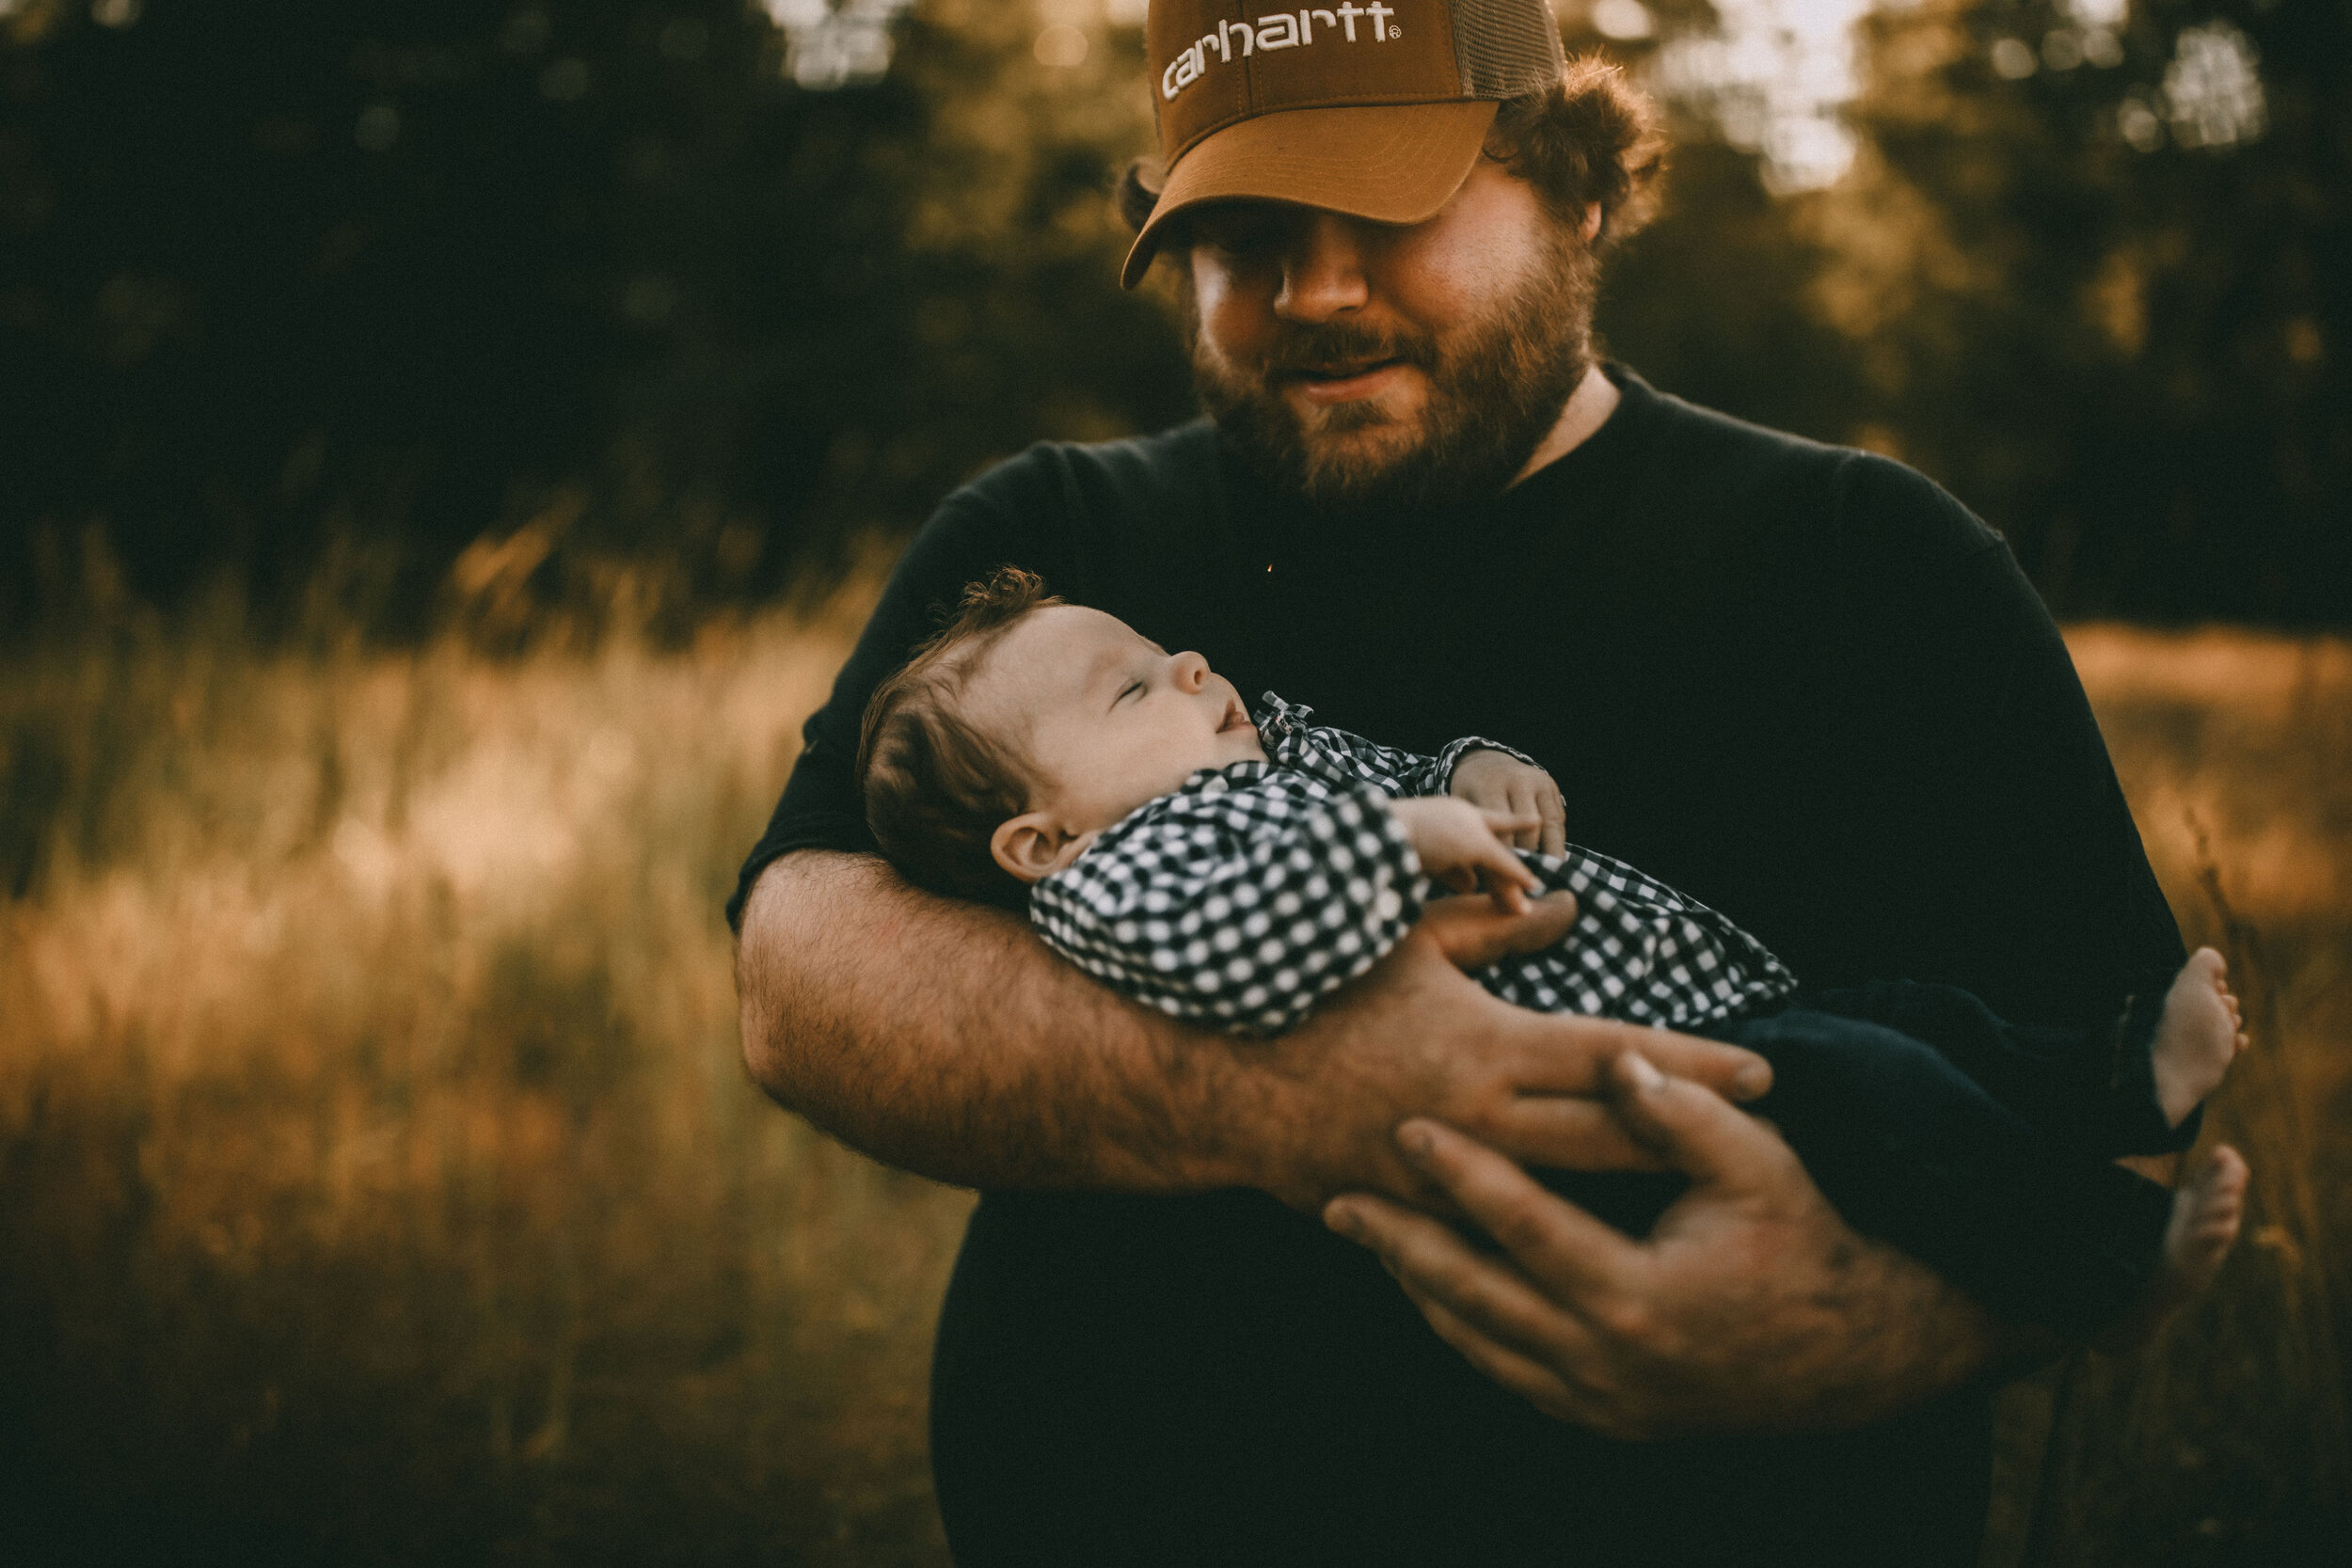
(1591, 136)
(936, 785)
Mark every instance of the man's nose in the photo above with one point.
(1190, 671)
(1322, 269)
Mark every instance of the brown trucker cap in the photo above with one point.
(1374, 110)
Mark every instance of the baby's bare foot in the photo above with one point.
(2197, 1037)
(2205, 1216)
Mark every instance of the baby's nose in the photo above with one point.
(1192, 671)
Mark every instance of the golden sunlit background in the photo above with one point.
(445, 450)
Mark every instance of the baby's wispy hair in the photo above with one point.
(936, 784)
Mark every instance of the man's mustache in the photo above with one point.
(1312, 346)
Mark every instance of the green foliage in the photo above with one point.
(402, 275)
(387, 310)
(2130, 351)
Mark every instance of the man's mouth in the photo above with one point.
(1344, 381)
(1340, 370)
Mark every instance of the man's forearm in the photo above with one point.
(947, 1038)
(944, 1037)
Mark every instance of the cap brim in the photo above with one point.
(1392, 163)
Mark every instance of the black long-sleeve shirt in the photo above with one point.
(1796, 681)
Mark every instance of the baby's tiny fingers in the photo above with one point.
(1524, 793)
(1510, 881)
(1554, 810)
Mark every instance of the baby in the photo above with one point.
(1234, 872)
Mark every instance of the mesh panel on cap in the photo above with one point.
(1506, 47)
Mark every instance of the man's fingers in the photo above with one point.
(1565, 1054)
(1727, 1070)
(1567, 1132)
(1436, 1264)
(1513, 821)
(1538, 1384)
(1557, 1243)
(1472, 933)
(1694, 1129)
(1501, 862)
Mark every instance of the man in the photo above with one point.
(1799, 682)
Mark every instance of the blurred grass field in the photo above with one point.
(379, 1182)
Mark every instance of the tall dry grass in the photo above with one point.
(2226, 1441)
(378, 1177)
(378, 1182)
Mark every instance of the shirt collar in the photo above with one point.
(1289, 739)
(1216, 780)
(1283, 731)
(1277, 720)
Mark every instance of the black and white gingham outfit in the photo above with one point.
(1246, 896)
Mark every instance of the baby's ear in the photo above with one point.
(1028, 846)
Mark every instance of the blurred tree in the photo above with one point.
(1713, 302)
(388, 297)
(302, 291)
(2085, 259)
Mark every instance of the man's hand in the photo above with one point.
(1458, 846)
(1415, 1036)
(1750, 1307)
(947, 1038)
(1501, 784)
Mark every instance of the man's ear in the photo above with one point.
(1591, 221)
(1029, 845)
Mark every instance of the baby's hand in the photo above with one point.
(1458, 846)
(1498, 782)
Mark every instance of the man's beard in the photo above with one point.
(1494, 394)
